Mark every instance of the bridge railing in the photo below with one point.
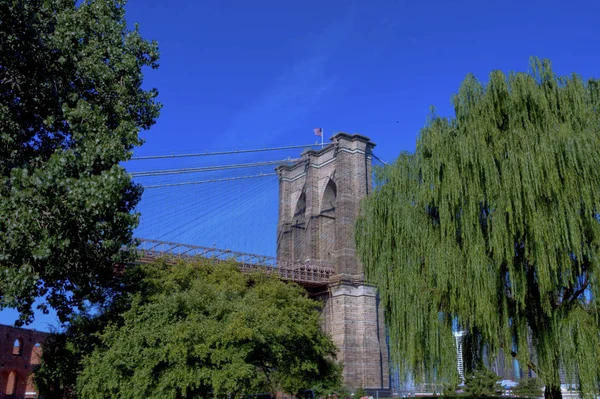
(306, 273)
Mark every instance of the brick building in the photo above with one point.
(20, 351)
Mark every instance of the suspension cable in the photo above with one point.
(380, 160)
(203, 154)
(209, 181)
(163, 172)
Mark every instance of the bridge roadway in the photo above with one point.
(307, 274)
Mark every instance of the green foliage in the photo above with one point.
(196, 328)
(528, 388)
(494, 222)
(341, 393)
(71, 108)
(56, 376)
(360, 392)
(482, 382)
(450, 389)
(63, 354)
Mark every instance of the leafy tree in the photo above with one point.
(71, 108)
(493, 223)
(198, 329)
(482, 382)
(528, 388)
(62, 358)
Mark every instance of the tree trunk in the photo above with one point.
(552, 392)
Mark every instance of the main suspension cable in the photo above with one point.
(204, 154)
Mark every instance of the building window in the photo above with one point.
(17, 347)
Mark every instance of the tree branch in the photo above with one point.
(580, 291)
(570, 295)
(529, 363)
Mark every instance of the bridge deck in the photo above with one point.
(303, 273)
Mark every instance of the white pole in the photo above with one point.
(322, 134)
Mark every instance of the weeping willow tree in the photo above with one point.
(493, 224)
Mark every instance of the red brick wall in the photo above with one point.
(19, 360)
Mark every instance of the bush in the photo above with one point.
(529, 388)
(449, 390)
(360, 392)
(482, 382)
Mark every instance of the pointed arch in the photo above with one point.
(36, 354)
(329, 197)
(327, 221)
(300, 210)
(299, 228)
(17, 347)
(11, 383)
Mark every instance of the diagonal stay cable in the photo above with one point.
(208, 181)
(222, 205)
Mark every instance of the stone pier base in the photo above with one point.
(353, 318)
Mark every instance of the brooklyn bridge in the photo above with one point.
(319, 194)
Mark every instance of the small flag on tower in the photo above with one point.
(318, 131)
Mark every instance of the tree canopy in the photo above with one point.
(196, 330)
(71, 107)
(493, 224)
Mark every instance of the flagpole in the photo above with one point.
(322, 134)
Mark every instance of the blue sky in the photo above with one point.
(266, 71)
(244, 74)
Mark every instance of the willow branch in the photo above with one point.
(529, 363)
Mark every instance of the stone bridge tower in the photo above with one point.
(319, 200)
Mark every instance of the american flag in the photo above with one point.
(318, 131)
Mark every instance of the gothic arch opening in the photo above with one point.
(36, 354)
(327, 222)
(17, 347)
(11, 383)
(299, 228)
(300, 211)
(329, 197)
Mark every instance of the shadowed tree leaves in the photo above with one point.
(494, 222)
(71, 108)
(194, 330)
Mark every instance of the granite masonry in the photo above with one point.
(319, 200)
